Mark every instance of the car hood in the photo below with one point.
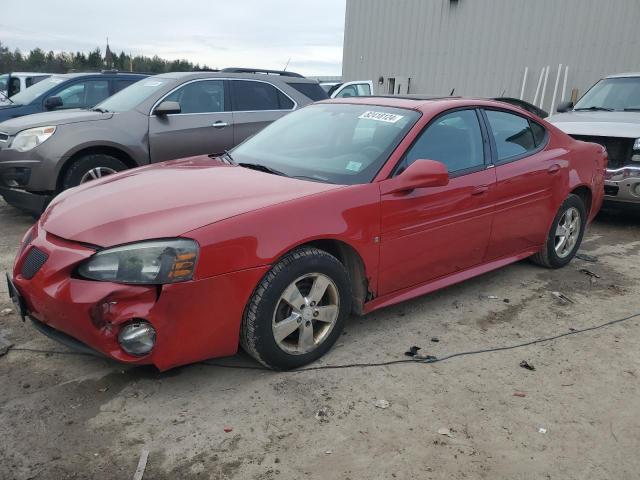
(603, 124)
(63, 117)
(167, 200)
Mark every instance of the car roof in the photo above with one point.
(623, 75)
(223, 74)
(424, 103)
(26, 74)
(86, 74)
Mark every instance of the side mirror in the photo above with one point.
(52, 103)
(420, 174)
(564, 106)
(167, 108)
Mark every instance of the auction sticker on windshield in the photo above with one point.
(381, 116)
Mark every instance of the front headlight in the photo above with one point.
(29, 139)
(152, 262)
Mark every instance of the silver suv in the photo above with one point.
(160, 118)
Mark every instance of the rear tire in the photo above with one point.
(91, 167)
(298, 310)
(565, 235)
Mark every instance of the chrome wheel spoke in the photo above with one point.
(306, 340)
(567, 232)
(293, 297)
(286, 327)
(96, 173)
(318, 289)
(327, 314)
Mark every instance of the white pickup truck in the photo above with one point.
(609, 114)
(15, 82)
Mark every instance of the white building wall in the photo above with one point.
(482, 47)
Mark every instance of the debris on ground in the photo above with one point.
(527, 365)
(562, 297)
(445, 431)
(7, 311)
(435, 339)
(506, 300)
(323, 414)
(489, 297)
(427, 358)
(142, 464)
(382, 403)
(589, 272)
(412, 352)
(586, 258)
(617, 288)
(328, 452)
(5, 345)
(542, 430)
(103, 389)
(519, 394)
(228, 429)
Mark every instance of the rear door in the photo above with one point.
(432, 232)
(255, 105)
(527, 176)
(204, 125)
(359, 88)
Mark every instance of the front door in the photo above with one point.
(203, 126)
(432, 232)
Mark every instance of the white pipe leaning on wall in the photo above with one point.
(544, 86)
(524, 82)
(535, 98)
(555, 89)
(564, 85)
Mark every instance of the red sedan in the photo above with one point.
(341, 207)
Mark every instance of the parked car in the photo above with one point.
(609, 114)
(15, 82)
(66, 91)
(358, 88)
(164, 117)
(344, 206)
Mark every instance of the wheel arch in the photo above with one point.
(118, 153)
(353, 263)
(586, 195)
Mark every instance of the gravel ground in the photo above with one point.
(65, 416)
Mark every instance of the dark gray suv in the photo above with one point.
(160, 118)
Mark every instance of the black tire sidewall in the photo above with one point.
(265, 343)
(82, 165)
(554, 259)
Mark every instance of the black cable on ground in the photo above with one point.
(416, 359)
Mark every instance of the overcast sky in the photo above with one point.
(219, 33)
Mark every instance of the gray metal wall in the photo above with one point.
(482, 47)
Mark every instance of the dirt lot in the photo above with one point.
(71, 416)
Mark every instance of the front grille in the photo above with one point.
(34, 261)
(619, 150)
(4, 137)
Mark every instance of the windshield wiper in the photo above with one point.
(6, 97)
(230, 159)
(593, 109)
(262, 168)
(314, 179)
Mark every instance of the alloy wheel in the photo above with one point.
(95, 173)
(306, 313)
(567, 232)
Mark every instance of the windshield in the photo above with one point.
(333, 143)
(132, 96)
(28, 95)
(612, 94)
(3, 81)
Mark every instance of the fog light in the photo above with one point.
(137, 338)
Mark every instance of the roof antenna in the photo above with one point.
(286, 65)
(451, 94)
(503, 92)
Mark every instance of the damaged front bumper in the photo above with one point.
(194, 320)
(622, 185)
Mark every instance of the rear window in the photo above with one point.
(311, 90)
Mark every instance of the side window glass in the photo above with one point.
(84, 94)
(14, 86)
(348, 91)
(512, 134)
(200, 97)
(539, 133)
(251, 96)
(119, 84)
(455, 139)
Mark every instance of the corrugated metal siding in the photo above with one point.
(481, 47)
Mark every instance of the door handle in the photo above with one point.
(553, 169)
(480, 190)
(220, 124)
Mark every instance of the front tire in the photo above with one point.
(565, 235)
(298, 310)
(91, 167)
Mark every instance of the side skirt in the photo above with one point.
(442, 282)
